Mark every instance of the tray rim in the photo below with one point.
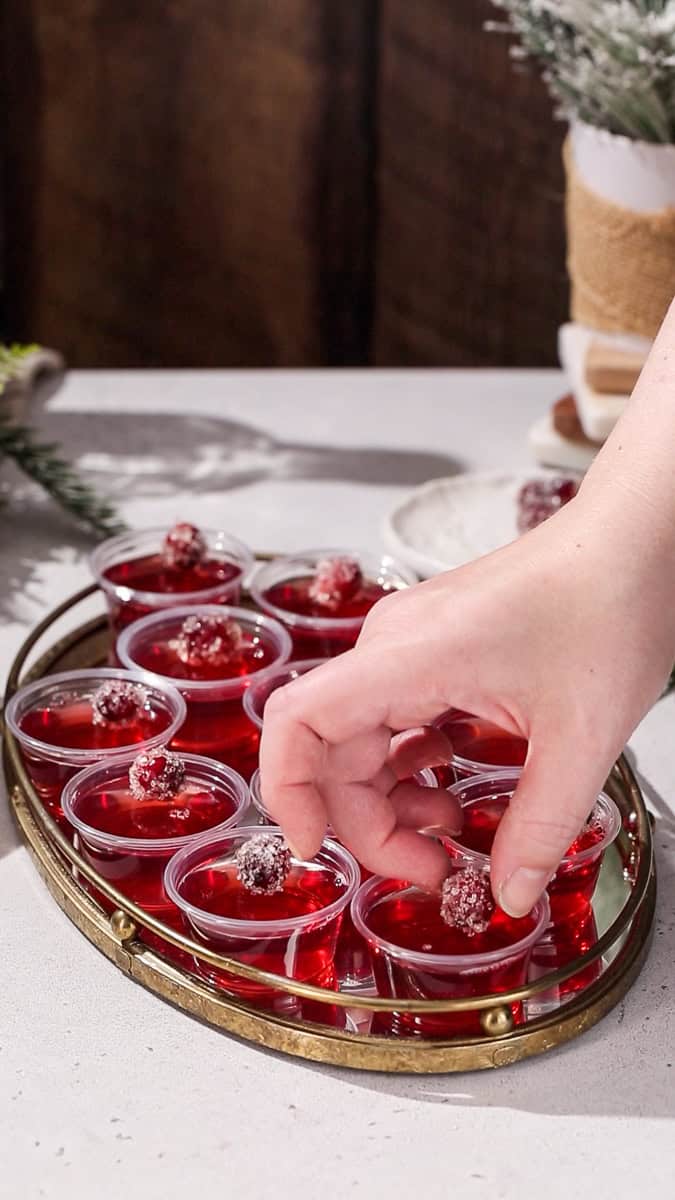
(504, 1044)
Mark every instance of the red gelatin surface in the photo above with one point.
(193, 810)
(294, 596)
(161, 656)
(140, 875)
(411, 919)
(72, 726)
(150, 573)
(479, 744)
(216, 889)
(482, 818)
(480, 823)
(310, 887)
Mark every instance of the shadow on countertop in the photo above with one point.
(154, 456)
(33, 531)
(206, 454)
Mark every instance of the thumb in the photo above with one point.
(554, 797)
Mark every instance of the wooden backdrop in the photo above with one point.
(277, 182)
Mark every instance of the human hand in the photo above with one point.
(559, 638)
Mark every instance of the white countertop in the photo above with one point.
(105, 1091)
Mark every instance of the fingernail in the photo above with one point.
(520, 892)
(441, 831)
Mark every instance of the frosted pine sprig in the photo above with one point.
(610, 63)
(44, 463)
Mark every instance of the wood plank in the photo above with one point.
(189, 185)
(470, 260)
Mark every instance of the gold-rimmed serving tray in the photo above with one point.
(624, 906)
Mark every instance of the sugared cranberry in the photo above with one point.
(263, 863)
(539, 499)
(466, 901)
(335, 580)
(117, 702)
(156, 775)
(184, 546)
(208, 640)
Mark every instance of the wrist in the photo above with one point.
(628, 547)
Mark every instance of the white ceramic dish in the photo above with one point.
(448, 522)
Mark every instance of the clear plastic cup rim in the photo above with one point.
(610, 814)
(20, 703)
(199, 769)
(446, 962)
(425, 777)
(471, 765)
(294, 670)
(230, 687)
(232, 926)
(294, 565)
(113, 550)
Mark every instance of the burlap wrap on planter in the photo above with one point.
(621, 263)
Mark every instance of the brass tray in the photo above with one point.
(624, 904)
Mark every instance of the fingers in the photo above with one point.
(334, 723)
(409, 753)
(553, 799)
(291, 796)
(366, 821)
(417, 807)
(418, 748)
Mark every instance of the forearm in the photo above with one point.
(628, 497)
(633, 476)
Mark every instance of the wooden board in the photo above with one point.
(186, 182)
(470, 257)
(256, 183)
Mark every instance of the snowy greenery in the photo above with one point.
(43, 463)
(610, 63)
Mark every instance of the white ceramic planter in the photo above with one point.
(621, 232)
(635, 175)
(33, 370)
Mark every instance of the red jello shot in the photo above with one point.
(353, 964)
(352, 961)
(68, 721)
(479, 747)
(291, 931)
(558, 946)
(572, 929)
(130, 816)
(417, 955)
(484, 800)
(324, 596)
(257, 695)
(211, 654)
(154, 569)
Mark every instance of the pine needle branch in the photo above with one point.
(43, 462)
